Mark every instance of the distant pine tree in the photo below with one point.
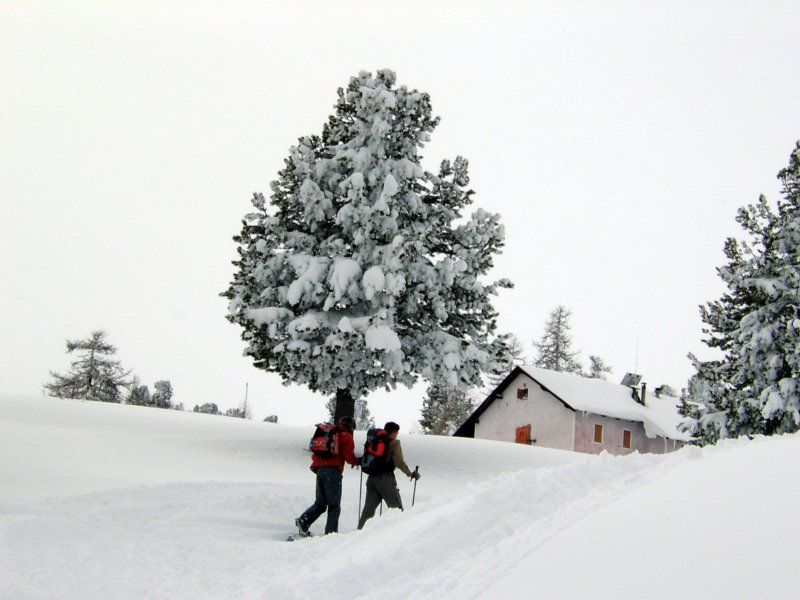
(364, 420)
(241, 412)
(444, 409)
(162, 396)
(94, 375)
(138, 394)
(755, 387)
(208, 408)
(362, 416)
(513, 356)
(598, 369)
(555, 347)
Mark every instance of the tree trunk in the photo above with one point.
(345, 405)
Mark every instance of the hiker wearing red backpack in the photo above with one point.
(382, 454)
(331, 446)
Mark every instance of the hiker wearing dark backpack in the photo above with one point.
(331, 446)
(382, 454)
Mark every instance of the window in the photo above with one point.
(522, 393)
(626, 438)
(598, 434)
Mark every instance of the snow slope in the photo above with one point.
(110, 501)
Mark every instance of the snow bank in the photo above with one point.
(110, 501)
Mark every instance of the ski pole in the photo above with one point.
(414, 495)
(360, 487)
(381, 513)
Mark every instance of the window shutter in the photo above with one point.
(523, 435)
(626, 438)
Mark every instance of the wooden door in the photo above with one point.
(524, 435)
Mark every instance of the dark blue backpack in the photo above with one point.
(376, 453)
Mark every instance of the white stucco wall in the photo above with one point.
(552, 423)
(613, 436)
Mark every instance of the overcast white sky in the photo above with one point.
(617, 139)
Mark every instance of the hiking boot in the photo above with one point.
(302, 528)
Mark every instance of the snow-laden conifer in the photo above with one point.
(162, 396)
(209, 408)
(513, 356)
(753, 388)
(363, 417)
(554, 349)
(94, 375)
(444, 409)
(138, 394)
(598, 368)
(362, 270)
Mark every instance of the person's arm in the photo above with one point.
(348, 448)
(397, 457)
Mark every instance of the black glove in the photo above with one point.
(415, 475)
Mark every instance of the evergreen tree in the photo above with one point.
(138, 394)
(753, 388)
(362, 271)
(162, 397)
(555, 347)
(243, 411)
(93, 375)
(444, 409)
(208, 408)
(598, 369)
(513, 356)
(364, 420)
(362, 416)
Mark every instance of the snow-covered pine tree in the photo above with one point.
(209, 408)
(361, 414)
(514, 356)
(754, 387)
(162, 396)
(598, 369)
(364, 420)
(444, 409)
(708, 401)
(94, 375)
(138, 394)
(362, 271)
(555, 347)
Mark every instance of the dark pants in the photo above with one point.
(380, 487)
(329, 496)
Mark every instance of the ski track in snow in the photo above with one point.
(229, 539)
(109, 501)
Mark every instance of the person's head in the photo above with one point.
(391, 428)
(348, 423)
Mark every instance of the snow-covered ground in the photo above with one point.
(111, 501)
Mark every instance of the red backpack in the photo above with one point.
(376, 453)
(325, 441)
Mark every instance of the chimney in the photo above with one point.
(644, 394)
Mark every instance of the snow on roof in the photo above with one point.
(659, 415)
